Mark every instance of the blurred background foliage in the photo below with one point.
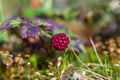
(76, 15)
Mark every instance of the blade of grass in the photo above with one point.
(97, 74)
(88, 69)
(93, 45)
(94, 74)
(80, 59)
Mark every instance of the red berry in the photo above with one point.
(60, 41)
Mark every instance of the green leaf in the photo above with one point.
(33, 60)
(43, 32)
(3, 36)
(41, 23)
(15, 22)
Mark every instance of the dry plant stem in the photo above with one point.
(96, 52)
(15, 67)
(8, 70)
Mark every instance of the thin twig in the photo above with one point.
(96, 52)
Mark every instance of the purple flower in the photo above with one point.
(10, 23)
(29, 30)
